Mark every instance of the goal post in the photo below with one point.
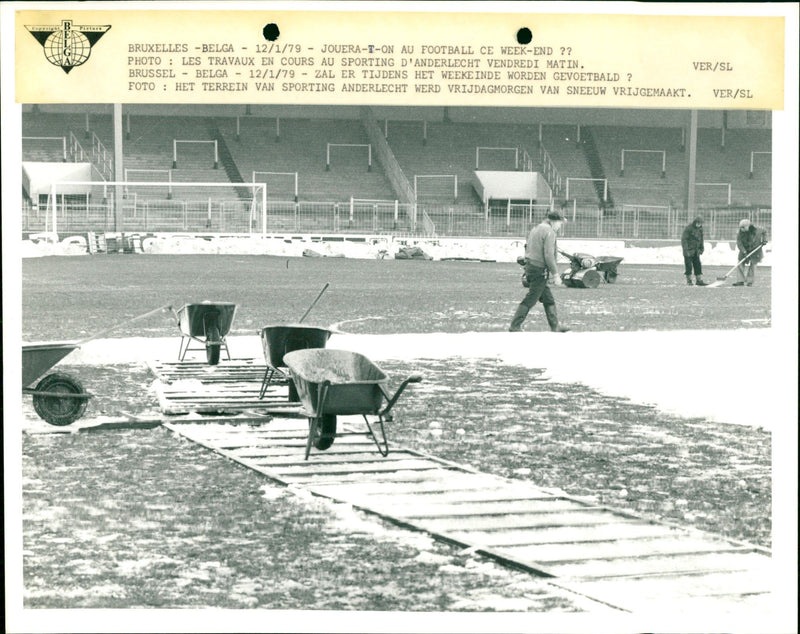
(277, 182)
(725, 187)
(53, 144)
(348, 145)
(501, 153)
(663, 154)
(604, 181)
(166, 176)
(194, 204)
(175, 143)
(435, 185)
(753, 156)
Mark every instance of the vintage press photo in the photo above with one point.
(292, 357)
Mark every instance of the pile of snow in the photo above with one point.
(646, 367)
(44, 244)
(492, 249)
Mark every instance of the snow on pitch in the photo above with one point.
(647, 367)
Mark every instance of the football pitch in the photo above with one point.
(75, 297)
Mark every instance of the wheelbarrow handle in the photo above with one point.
(392, 400)
(167, 307)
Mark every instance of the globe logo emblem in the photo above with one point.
(67, 49)
(68, 45)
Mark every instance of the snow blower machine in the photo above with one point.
(587, 271)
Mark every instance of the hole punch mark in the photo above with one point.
(524, 35)
(271, 32)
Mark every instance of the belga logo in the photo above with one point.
(68, 45)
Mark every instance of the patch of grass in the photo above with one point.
(713, 476)
(74, 297)
(147, 519)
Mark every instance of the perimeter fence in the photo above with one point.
(629, 222)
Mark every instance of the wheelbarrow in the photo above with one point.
(59, 398)
(207, 323)
(279, 340)
(586, 271)
(333, 383)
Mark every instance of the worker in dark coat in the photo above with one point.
(750, 240)
(692, 245)
(540, 264)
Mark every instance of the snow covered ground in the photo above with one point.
(502, 250)
(647, 367)
(714, 386)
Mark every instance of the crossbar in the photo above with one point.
(598, 180)
(728, 185)
(663, 154)
(63, 140)
(175, 150)
(330, 145)
(293, 174)
(151, 171)
(752, 159)
(508, 149)
(453, 176)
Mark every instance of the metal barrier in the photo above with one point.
(390, 217)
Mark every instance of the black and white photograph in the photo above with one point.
(394, 367)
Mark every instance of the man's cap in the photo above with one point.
(744, 223)
(698, 220)
(554, 215)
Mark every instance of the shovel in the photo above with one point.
(721, 280)
(314, 303)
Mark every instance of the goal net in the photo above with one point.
(195, 206)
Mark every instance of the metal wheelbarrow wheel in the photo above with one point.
(322, 430)
(57, 409)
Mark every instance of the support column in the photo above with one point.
(118, 168)
(691, 176)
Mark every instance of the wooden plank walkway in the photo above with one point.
(230, 387)
(612, 556)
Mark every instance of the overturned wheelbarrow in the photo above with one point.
(333, 383)
(587, 271)
(279, 340)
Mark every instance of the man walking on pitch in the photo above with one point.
(750, 240)
(692, 243)
(540, 263)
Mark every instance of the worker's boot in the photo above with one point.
(689, 280)
(552, 319)
(518, 318)
(699, 281)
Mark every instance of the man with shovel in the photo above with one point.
(540, 263)
(750, 240)
(692, 244)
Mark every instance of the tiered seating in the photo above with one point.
(302, 148)
(150, 147)
(642, 182)
(560, 141)
(451, 149)
(45, 124)
(731, 164)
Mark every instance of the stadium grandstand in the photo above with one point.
(405, 171)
